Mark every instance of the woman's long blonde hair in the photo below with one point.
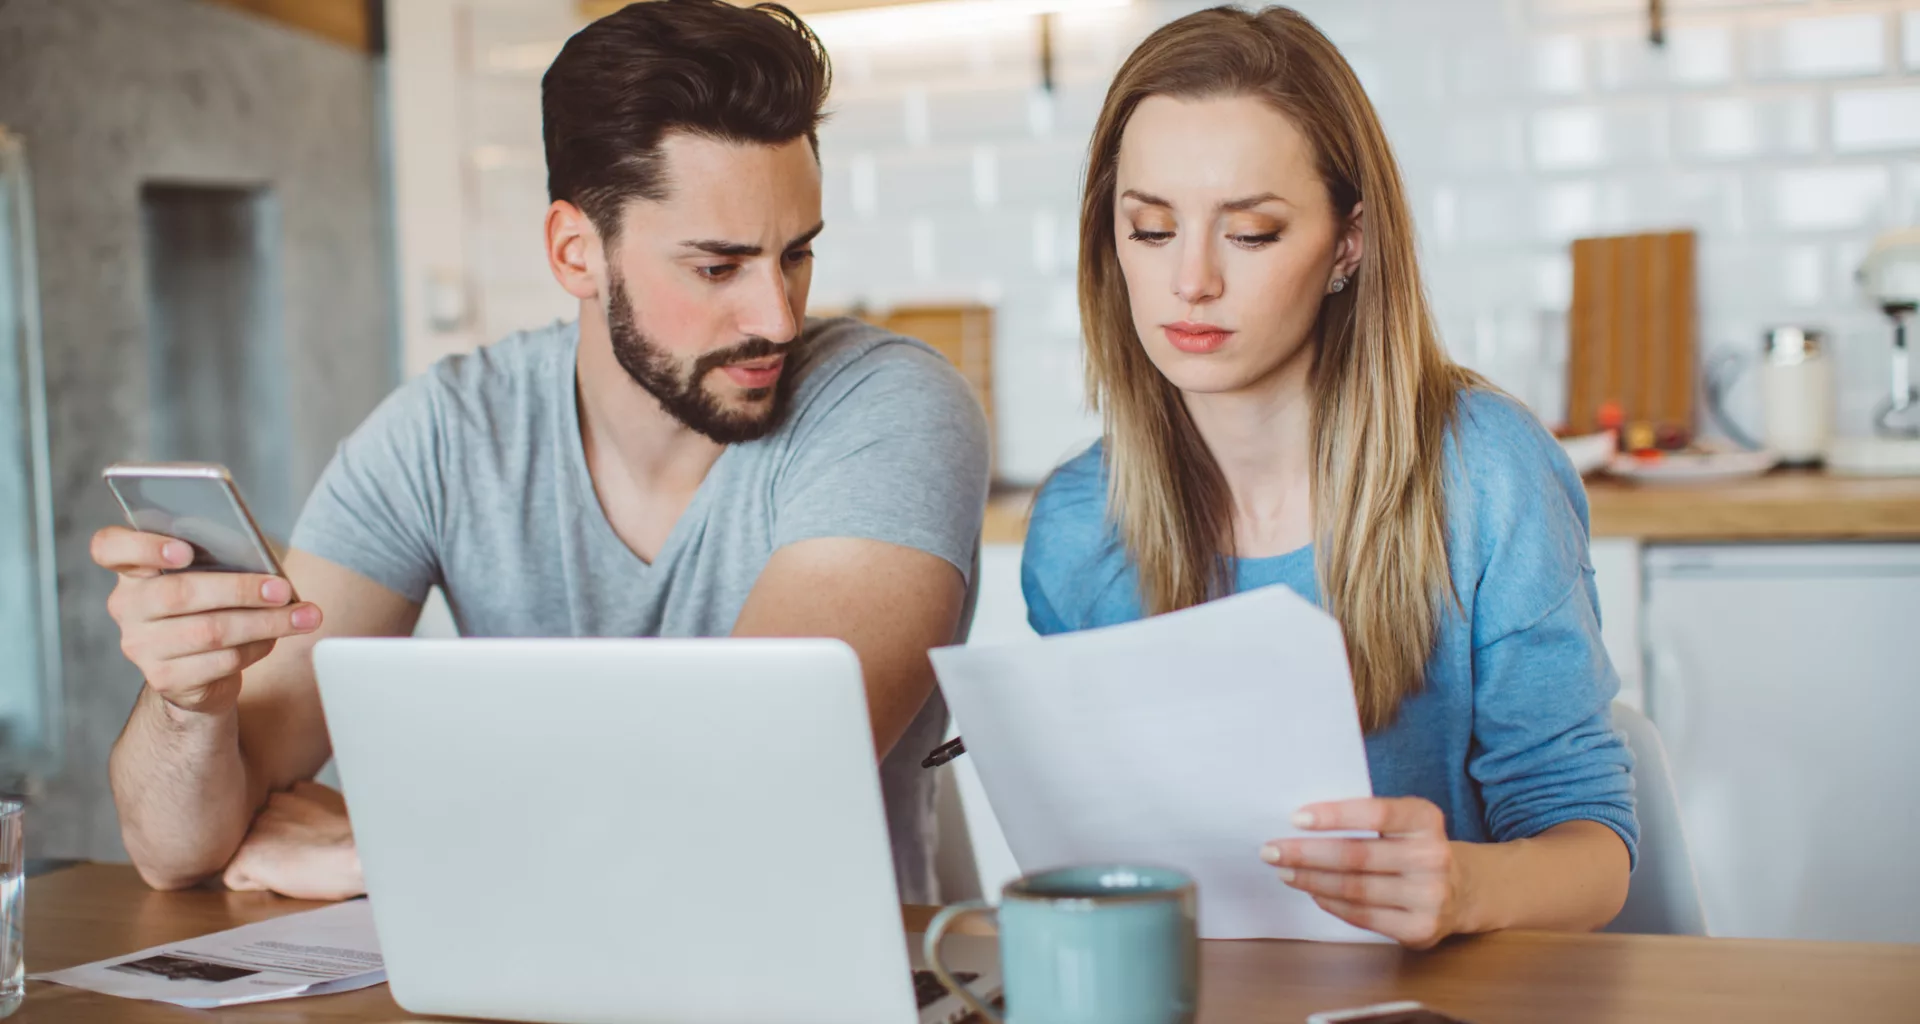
(1383, 388)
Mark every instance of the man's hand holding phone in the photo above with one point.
(192, 633)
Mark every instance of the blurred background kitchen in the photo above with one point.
(229, 227)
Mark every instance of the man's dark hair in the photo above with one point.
(705, 67)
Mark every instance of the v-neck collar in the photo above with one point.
(567, 399)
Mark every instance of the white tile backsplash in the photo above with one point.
(1481, 71)
(987, 113)
(864, 121)
(1624, 61)
(1830, 198)
(1581, 138)
(1719, 129)
(1042, 173)
(1553, 281)
(1562, 10)
(1876, 120)
(1559, 64)
(916, 107)
(1804, 275)
(1700, 55)
(1906, 196)
(1712, 202)
(1786, 132)
(1569, 138)
(1569, 209)
(1477, 216)
(918, 180)
(1474, 143)
(921, 238)
(986, 177)
(1823, 46)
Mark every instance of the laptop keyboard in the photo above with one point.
(927, 989)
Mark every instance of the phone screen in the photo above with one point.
(1403, 1017)
(1388, 1015)
(204, 511)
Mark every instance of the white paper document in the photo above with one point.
(1185, 740)
(312, 953)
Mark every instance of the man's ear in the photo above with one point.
(575, 253)
(1352, 244)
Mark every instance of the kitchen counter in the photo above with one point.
(1785, 505)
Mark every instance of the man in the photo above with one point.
(691, 458)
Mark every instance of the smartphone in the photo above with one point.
(1384, 1013)
(196, 502)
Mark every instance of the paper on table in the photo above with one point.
(1186, 740)
(332, 949)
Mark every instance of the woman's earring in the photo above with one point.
(1339, 285)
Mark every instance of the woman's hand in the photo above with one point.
(1408, 884)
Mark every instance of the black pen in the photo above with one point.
(944, 752)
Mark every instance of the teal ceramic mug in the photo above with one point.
(1101, 944)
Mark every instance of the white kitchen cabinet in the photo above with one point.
(1616, 575)
(1785, 684)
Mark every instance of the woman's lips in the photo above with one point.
(1196, 339)
(760, 373)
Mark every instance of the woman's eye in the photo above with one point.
(717, 273)
(1256, 241)
(1150, 237)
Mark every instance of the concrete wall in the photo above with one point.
(114, 95)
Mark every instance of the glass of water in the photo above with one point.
(13, 968)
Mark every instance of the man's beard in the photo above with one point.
(684, 396)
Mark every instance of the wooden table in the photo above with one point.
(93, 912)
(1781, 506)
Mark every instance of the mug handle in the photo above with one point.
(930, 949)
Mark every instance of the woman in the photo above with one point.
(1279, 410)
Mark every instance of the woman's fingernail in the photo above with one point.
(274, 590)
(1270, 853)
(1286, 874)
(306, 617)
(1303, 819)
(176, 553)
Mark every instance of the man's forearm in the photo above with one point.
(182, 791)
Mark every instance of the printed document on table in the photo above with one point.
(332, 949)
(1186, 740)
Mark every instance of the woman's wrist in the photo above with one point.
(1571, 877)
(1476, 899)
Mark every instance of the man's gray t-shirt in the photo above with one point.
(473, 478)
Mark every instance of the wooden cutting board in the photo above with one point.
(1631, 331)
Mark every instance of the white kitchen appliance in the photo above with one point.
(1890, 277)
(1785, 681)
(1796, 394)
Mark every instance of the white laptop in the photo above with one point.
(615, 831)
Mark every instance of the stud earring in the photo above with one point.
(1339, 285)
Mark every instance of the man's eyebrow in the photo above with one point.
(1231, 206)
(743, 250)
(806, 236)
(720, 248)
